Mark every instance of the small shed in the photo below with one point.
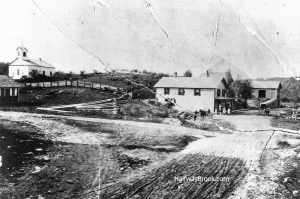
(9, 90)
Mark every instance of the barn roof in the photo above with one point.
(267, 84)
(190, 82)
(6, 81)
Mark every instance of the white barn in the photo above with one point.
(22, 65)
(194, 93)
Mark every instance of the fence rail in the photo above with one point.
(74, 84)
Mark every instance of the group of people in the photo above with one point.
(224, 110)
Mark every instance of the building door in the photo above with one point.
(261, 93)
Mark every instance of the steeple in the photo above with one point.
(22, 52)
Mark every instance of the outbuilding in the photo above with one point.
(9, 90)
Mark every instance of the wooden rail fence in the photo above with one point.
(74, 84)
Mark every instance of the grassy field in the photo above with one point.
(285, 123)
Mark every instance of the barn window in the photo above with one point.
(181, 91)
(43, 72)
(51, 73)
(223, 92)
(197, 92)
(18, 72)
(167, 91)
(218, 92)
(24, 54)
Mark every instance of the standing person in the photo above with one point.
(139, 97)
(195, 115)
(209, 113)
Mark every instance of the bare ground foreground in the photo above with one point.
(93, 158)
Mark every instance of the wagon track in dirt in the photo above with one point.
(164, 182)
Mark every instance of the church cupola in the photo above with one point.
(22, 52)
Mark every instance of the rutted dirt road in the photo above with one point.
(237, 156)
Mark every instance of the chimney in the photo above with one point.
(207, 72)
(175, 74)
(40, 59)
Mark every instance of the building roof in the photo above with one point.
(33, 62)
(6, 81)
(222, 66)
(190, 82)
(266, 84)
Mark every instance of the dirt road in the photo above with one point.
(236, 156)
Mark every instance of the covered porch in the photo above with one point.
(226, 103)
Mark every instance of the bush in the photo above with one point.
(283, 144)
(285, 99)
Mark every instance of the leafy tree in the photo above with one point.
(245, 89)
(231, 91)
(188, 73)
(4, 68)
(82, 73)
(33, 73)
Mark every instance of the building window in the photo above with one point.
(24, 54)
(218, 92)
(18, 72)
(19, 54)
(197, 92)
(180, 91)
(12, 74)
(223, 92)
(43, 72)
(167, 91)
(50, 73)
(13, 92)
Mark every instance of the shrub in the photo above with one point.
(283, 144)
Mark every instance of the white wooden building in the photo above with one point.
(22, 65)
(194, 93)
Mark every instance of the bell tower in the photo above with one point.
(22, 52)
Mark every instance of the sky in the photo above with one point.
(259, 37)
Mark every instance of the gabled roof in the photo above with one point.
(6, 81)
(33, 62)
(190, 82)
(222, 66)
(266, 84)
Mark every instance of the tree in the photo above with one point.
(4, 68)
(33, 73)
(230, 92)
(245, 89)
(82, 73)
(188, 73)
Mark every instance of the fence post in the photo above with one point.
(43, 84)
(51, 84)
(100, 87)
(77, 83)
(71, 83)
(30, 83)
(66, 83)
(92, 85)
(83, 84)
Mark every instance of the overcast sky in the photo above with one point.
(261, 38)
